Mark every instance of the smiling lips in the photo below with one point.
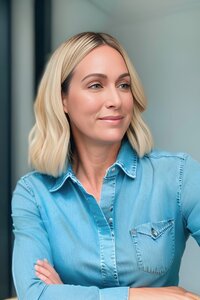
(111, 118)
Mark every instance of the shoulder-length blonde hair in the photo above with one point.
(49, 139)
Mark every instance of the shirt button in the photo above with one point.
(154, 232)
(111, 208)
(113, 169)
(133, 231)
(110, 221)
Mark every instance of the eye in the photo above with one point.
(95, 86)
(124, 86)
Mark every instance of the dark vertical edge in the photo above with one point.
(5, 149)
(42, 26)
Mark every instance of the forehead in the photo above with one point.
(102, 59)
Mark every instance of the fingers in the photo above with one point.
(43, 272)
(43, 278)
(45, 265)
(46, 272)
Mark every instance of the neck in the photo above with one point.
(91, 163)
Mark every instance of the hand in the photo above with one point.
(46, 272)
(164, 293)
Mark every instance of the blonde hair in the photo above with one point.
(49, 139)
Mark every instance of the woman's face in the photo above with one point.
(99, 101)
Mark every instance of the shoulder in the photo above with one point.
(181, 161)
(35, 175)
(171, 156)
(162, 157)
(35, 179)
(162, 154)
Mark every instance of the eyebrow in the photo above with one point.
(104, 76)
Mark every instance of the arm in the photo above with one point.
(164, 293)
(190, 197)
(46, 273)
(31, 243)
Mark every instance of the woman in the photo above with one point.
(102, 216)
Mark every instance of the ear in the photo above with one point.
(64, 102)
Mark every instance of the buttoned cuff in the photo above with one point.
(116, 293)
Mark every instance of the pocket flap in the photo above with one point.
(154, 229)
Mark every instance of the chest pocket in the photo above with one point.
(154, 245)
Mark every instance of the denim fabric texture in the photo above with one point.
(135, 236)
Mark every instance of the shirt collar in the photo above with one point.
(59, 181)
(126, 160)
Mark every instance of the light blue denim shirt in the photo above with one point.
(134, 237)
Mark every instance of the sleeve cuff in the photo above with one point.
(115, 293)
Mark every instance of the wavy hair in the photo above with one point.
(49, 139)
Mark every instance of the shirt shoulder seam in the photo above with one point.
(163, 154)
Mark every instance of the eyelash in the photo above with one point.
(95, 86)
(124, 86)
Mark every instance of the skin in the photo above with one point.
(99, 104)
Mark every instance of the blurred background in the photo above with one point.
(162, 38)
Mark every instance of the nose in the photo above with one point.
(113, 98)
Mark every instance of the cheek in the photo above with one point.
(129, 105)
(129, 109)
(81, 110)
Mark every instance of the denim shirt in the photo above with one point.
(134, 237)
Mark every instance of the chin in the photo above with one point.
(113, 140)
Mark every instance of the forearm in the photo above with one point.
(165, 293)
(69, 292)
(47, 274)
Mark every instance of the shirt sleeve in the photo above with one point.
(31, 243)
(190, 196)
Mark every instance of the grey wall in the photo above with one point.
(163, 41)
(22, 83)
(165, 51)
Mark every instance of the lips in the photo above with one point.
(111, 118)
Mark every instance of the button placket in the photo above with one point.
(107, 240)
